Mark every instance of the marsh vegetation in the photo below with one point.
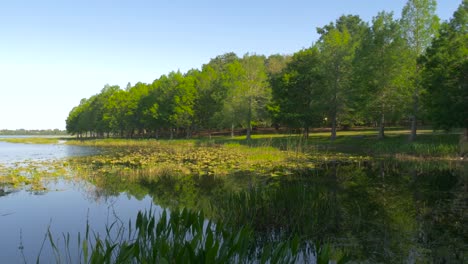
(332, 181)
(303, 199)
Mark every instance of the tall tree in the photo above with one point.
(118, 112)
(337, 44)
(445, 73)
(379, 70)
(212, 91)
(297, 91)
(103, 125)
(419, 26)
(248, 92)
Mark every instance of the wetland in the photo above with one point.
(306, 201)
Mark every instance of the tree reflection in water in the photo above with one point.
(379, 211)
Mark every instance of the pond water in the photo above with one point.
(17, 152)
(377, 211)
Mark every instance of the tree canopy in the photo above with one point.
(357, 73)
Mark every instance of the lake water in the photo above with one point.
(16, 152)
(378, 211)
(25, 216)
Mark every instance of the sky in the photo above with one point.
(54, 53)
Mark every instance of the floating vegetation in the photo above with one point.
(150, 158)
(32, 175)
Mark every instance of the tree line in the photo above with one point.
(357, 73)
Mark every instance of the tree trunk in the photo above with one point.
(172, 133)
(382, 127)
(464, 143)
(232, 130)
(414, 118)
(306, 132)
(333, 129)
(249, 120)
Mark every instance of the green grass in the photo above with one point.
(359, 142)
(429, 144)
(33, 140)
(182, 237)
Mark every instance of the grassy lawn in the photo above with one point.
(429, 143)
(361, 142)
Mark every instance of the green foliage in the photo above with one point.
(419, 26)
(297, 91)
(176, 237)
(380, 68)
(337, 44)
(445, 73)
(355, 74)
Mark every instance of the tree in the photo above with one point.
(276, 63)
(379, 68)
(118, 112)
(297, 91)
(419, 26)
(102, 125)
(135, 119)
(445, 73)
(337, 46)
(249, 92)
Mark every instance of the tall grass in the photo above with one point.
(176, 237)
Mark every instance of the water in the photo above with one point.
(375, 211)
(26, 217)
(16, 152)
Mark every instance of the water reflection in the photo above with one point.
(16, 152)
(379, 211)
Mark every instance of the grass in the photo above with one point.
(182, 237)
(362, 142)
(356, 142)
(33, 140)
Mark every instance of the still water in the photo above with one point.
(378, 211)
(11, 153)
(25, 216)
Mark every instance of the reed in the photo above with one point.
(175, 237)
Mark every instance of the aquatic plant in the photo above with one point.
(175, 237)
(33, 175)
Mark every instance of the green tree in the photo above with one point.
(297, 91)
(276, 63)
(337, 45)
(249, 92)
(419, 26)
(212, 89)
(136, 107)
(102, 125)
(118, 112)
(445, 73)
(379, 68)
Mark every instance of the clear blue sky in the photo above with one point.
(53, 53)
